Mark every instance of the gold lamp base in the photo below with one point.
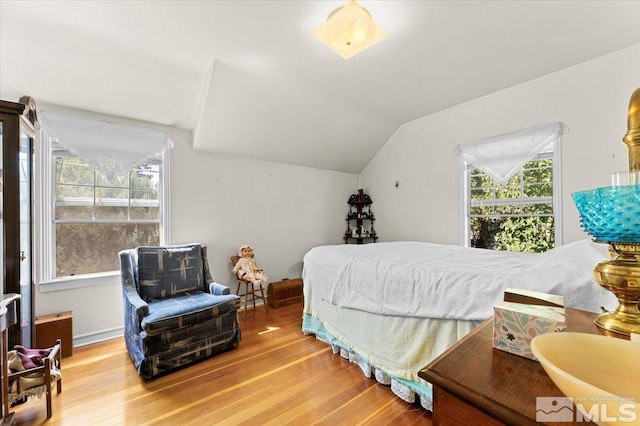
(621, 276)
(614, 322)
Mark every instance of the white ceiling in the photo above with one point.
(250, 80)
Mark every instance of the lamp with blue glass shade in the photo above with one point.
(611, 215)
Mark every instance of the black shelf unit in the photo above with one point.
(360, 220)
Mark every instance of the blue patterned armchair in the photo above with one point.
(174, 313)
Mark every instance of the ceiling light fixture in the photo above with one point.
(349, 30)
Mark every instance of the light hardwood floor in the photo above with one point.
(275, 376)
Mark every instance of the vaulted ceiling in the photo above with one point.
(249, 79)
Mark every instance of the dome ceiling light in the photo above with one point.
(349, 30)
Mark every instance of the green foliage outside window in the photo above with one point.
(516, 216)
(95, 217)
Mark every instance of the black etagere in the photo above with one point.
(360, 220)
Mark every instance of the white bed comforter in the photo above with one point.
(427, 280)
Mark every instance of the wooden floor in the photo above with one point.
(275, 376)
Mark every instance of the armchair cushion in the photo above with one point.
(186, 310)
(169, 271)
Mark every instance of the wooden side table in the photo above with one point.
(476, 384)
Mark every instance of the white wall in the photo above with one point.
(592, 98)
(280, 210)
(225, 202)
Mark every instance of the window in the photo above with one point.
(88, 213)
(95, 217)
(521, 211)
(516, 216)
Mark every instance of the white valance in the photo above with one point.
(502, 156)
(111, 148)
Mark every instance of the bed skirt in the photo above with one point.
(390, 349)
(406, 390)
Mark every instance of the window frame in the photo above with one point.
(44, 226)
(555, 153)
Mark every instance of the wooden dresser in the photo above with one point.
(476, 384)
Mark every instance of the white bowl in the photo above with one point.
(601, 374)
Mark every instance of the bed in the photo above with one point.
(393, 307)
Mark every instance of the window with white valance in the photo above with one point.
(111, 148)
(503, 156)
(511, 189)
(104, 188)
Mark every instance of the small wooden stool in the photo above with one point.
(250, 292)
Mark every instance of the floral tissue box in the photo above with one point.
(523, 315)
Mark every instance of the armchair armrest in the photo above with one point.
(134, 305)
(218, 289)
(135, 308)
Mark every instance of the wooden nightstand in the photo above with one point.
(476, 384)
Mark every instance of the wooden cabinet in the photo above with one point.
(360, 220)
(18, 125)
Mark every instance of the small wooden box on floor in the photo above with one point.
(285, 292)
(56, 326)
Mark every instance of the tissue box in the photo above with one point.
(523, 315)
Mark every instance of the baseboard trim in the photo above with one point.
(97, 337)
(259, 303)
